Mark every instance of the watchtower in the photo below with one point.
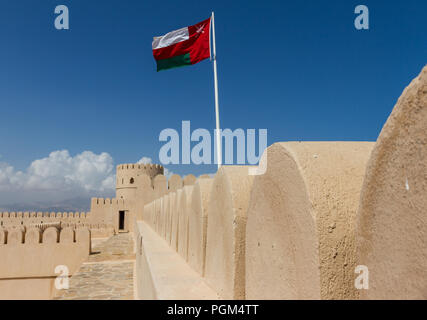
(127, 176)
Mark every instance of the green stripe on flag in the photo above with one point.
(174, 62)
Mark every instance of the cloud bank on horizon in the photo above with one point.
(59, 181)
(85, 172)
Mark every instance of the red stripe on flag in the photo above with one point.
(200, 50)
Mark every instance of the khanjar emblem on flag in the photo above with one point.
(182, 47)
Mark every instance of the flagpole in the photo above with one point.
(218, 134)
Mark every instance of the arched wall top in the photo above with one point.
(391, 228)
(300, 231)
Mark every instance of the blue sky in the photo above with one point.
(297, 68)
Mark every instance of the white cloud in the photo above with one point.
(86, 171)
(60, 179)
(59, 176)
(145, 160)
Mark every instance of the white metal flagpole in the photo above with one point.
(218, 134)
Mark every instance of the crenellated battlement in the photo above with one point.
(162, 186)
(33, 214)
(139, 166)
(32, 254)
(104, 202)
(128, 176)
(39, 235)
(31, 218)
(136, 169)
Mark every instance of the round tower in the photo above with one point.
(127, 176)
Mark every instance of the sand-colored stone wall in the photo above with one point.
(127, 175)
(226, 231)
(286, 234)
(314, 213)
(298, 229)
(198, 225)
(300, 238)
(136, 185)
(183, 215)
(201, 224)
(392, 217)
(42, 220)
(8, 219)
(162, 274)
(106, 211)
(29, 258)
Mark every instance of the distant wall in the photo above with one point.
(127, 176)
(106, 211)
(99, 227)
(26, 218)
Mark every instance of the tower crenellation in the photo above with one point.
(127, 176)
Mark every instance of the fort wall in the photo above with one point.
(29, 257)
(392, 217)
(26, 218)
(198, 225)
(309, 218)
(225, 244)
(239, 232)
(299, 228)
(127, 174)
(99, 227)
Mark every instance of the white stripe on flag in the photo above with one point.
(171, 38)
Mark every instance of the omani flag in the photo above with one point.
(183, 47)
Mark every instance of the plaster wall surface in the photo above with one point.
(171, 218)
(392, 217)
(175, 219)
(127, 174)
(8, 219)
(226, 229)
(300, 241)
(28, 262)
(175, 183)
(198, 225)
(189, 180)
(162, 274)
(183, 213)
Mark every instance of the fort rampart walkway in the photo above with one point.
(108, 273)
